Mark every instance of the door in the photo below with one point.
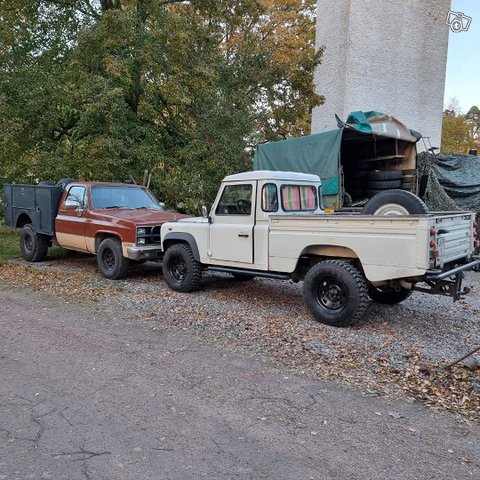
(70, 224)
(231, 231)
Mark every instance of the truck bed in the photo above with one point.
(387, 246)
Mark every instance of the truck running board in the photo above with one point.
(253, 273)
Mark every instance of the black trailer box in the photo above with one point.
(38, 202)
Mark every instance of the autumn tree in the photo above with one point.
(103, 89)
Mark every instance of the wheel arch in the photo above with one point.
(180, 237)
(101, 236)
(329, 251)
(23, 218)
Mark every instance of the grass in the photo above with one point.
(10, 245)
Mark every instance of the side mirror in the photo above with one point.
(71, 205)
(205, 214)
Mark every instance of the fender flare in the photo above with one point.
(176, 237)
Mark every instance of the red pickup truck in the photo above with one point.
(120, 223)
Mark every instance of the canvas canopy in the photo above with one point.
(320, 153)
(317, 154)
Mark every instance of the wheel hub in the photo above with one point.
(331, 294)
(178, 269)
(108, 259)
(28, 242)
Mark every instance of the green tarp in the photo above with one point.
(320, 153)
(317, 154)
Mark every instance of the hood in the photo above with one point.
(144, 217)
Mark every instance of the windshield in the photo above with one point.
(123, 197)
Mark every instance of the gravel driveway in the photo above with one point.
(395, 350)
(89, 393)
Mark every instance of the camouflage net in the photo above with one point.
(436, 198)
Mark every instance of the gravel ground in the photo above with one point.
(395, 350)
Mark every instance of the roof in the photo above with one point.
(105, 184)
(272, 175)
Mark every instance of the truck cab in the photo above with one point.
(235, 232)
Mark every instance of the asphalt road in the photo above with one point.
(86, 395)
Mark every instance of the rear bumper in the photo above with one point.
(153, 252)
(435, 276)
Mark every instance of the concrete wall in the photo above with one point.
(387, 55)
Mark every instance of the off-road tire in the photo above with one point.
(385, 175)
(388, 296)
(371, 193)
(33, 245)
(384, 184)
(336, 293)
(110, 260)
(180, 269)
(406, 201)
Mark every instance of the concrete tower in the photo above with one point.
(383, 55)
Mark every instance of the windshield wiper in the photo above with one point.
(118, 206)
(147, 208)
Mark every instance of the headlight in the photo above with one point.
(141, 241)
(140, 231)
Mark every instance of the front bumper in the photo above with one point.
(151, 252)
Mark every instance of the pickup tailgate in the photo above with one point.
(454, 236)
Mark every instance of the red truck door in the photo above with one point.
(70, 224)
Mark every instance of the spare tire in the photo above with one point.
(63, 182)
(383, 185)
(382, 175)
(395, 202)
(47, 182)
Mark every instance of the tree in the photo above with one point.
(455, 133)
(102, 89)
(473, 120)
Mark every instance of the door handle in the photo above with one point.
(243, 235)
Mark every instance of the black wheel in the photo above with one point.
(110, 259)
(33, 245)
(180, 269)
(383, 184)
(388, 295)
(336, 293)
(47, 182)
(385, 175)
(242, 277)
(395, 202)
(63, 182)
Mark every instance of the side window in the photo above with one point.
(269, 198)
(298, 198)
(235, 200)
(76, 194)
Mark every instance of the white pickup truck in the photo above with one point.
(272, 224)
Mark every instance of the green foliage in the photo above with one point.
(103, 89)
(8, 244)
(460, 133)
